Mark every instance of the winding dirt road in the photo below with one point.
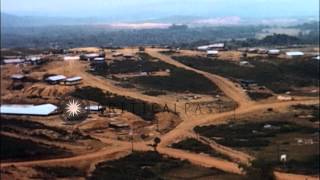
(121, 149)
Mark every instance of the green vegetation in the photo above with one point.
(151, 166)
(259, 95)
(309, 109)
(154, 93)
(60, 172)
(261, 169)
(138, 107)
(309, 165)
(267, 141)
(130, 66)
(277, 75)
(196, 146)
(17, 149)
(77, 36)
(180, 80)
(250, 135)
(18, 126)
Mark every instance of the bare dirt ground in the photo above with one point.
(121, 148)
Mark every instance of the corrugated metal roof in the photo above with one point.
(295, 53)
(40, 110)
(274, 51)
(66, 58)
(76, 78)
(203, 47)
(17, 76)
(13, 61)
(99, 59)
(212, 52)
(56, 78)
(92, 55)
(94, 107)
(216, 45)
(33, 58)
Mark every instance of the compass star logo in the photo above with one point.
(74, 110)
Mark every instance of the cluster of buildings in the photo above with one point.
(61, 79)
(212, 50)
(34, 60)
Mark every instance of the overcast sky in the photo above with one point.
(162, 8)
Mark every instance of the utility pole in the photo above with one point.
(234, 112)
(131, 136)
(158, 129)
(278, 152)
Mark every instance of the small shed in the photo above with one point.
(73, 80)
(273, 52)
(18, 77)
(92, 56)
(13, 61)
(95, 108)
(244, 63)
(55, 79)
(294, 54)
(212, 53)
(202, 48)
(34, 60)
(99, 60)
(71, 58)
(216, 46)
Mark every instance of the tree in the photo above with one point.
(259, 169)
(141, 49)
(156, 141)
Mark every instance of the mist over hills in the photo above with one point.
(10, 20)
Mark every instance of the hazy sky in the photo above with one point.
(162, 8)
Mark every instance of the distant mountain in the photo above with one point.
(175, 19)
(8, 20)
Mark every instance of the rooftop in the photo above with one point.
(40, 110)
(295, 53)
(76, 78)
(56, 78)
(212, 52)
(17, 76)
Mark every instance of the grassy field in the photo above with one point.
(278, 75)
(151, 165)
(135, 106)
(268, 139)
(20, 126)
(17, 149)
(180, 80)
(312, 110)
(60, 172)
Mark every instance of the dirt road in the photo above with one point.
(183, 129)
(225, 85)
